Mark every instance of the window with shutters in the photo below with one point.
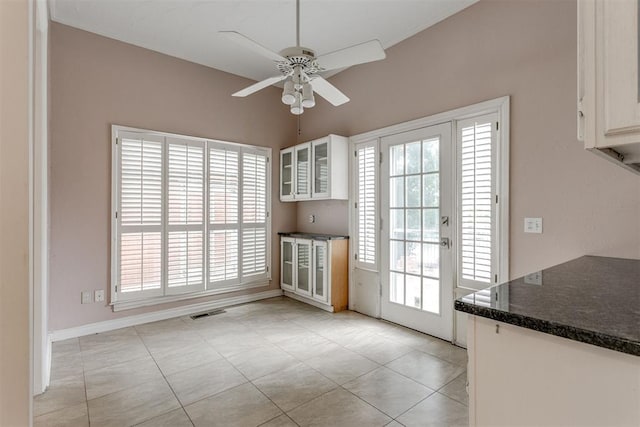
(476, 151)
(366, 204)
(190, 215)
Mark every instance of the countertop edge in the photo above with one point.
(576, 334)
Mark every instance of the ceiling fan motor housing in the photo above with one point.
(298, 56)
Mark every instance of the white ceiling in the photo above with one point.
(188, 29)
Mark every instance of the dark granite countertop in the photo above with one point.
(313, 236)
(591, 299)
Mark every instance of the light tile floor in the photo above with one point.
(275, 362)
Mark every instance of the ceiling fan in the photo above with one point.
(300, 67)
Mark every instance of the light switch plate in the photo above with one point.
(86, 297)
(533, 225)
(533, 278)
(99, 295)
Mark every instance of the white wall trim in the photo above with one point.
(490, 106)
(40, 200)
(109, 325)
(131, 304)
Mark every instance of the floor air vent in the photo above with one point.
(207, 314)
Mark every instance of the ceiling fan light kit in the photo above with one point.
(289, 93)
(300, 69)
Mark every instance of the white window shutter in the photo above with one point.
(189, 215)
(224, 178)
(185, 215)
(254, 213)
(477, 207)
(140, 214)
(366, 203)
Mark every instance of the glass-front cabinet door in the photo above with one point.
(286, 174)
(320, 271)
(287, 257)
(302, 171)
(320, 168)
(304, 261)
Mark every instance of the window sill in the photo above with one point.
(131, 304)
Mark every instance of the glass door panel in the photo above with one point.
(287, 257)
(303, 274)
(303, 163)
(286, 174)
(320, 270)
(413, 208)
(320, 169)
(416, 292)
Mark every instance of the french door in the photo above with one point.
(417, 215)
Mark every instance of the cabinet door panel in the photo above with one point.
(304, 265)
(287, 261)
(302, 171)
(321, 172)
(287, 176)
(619, 21)
(320, 272)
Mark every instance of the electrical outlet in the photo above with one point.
(312, 218)
(533, 278)
(86, 297)
(533, 225)
(99, 295)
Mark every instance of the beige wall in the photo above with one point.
(15, 395)
(96, 82)
(525, 49)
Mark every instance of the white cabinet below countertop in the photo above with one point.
(518, 376)
(315, 271)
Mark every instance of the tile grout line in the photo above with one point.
(168, 384)
(297, 320)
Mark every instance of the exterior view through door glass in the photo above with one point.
(416, 200)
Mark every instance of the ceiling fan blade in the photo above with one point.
(258, 86)
(328, 91)
(352, 55)
(247, 43)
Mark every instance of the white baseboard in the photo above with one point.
(309, 301)
(123, 322)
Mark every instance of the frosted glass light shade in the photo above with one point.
(289, 93)
(308, 99)
(296, 107)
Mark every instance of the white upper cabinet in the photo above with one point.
(316, 170)
(608, 80)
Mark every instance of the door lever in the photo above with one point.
(444, 220)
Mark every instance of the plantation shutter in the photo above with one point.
(139, 215)
(477, 204)
(185, 215)
(189, 215)
(254, 213)
(366, 155)
(224, 227)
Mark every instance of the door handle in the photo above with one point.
(444, 242)
(444, 220)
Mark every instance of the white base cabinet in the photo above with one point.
(521, 377)
(315, 271)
